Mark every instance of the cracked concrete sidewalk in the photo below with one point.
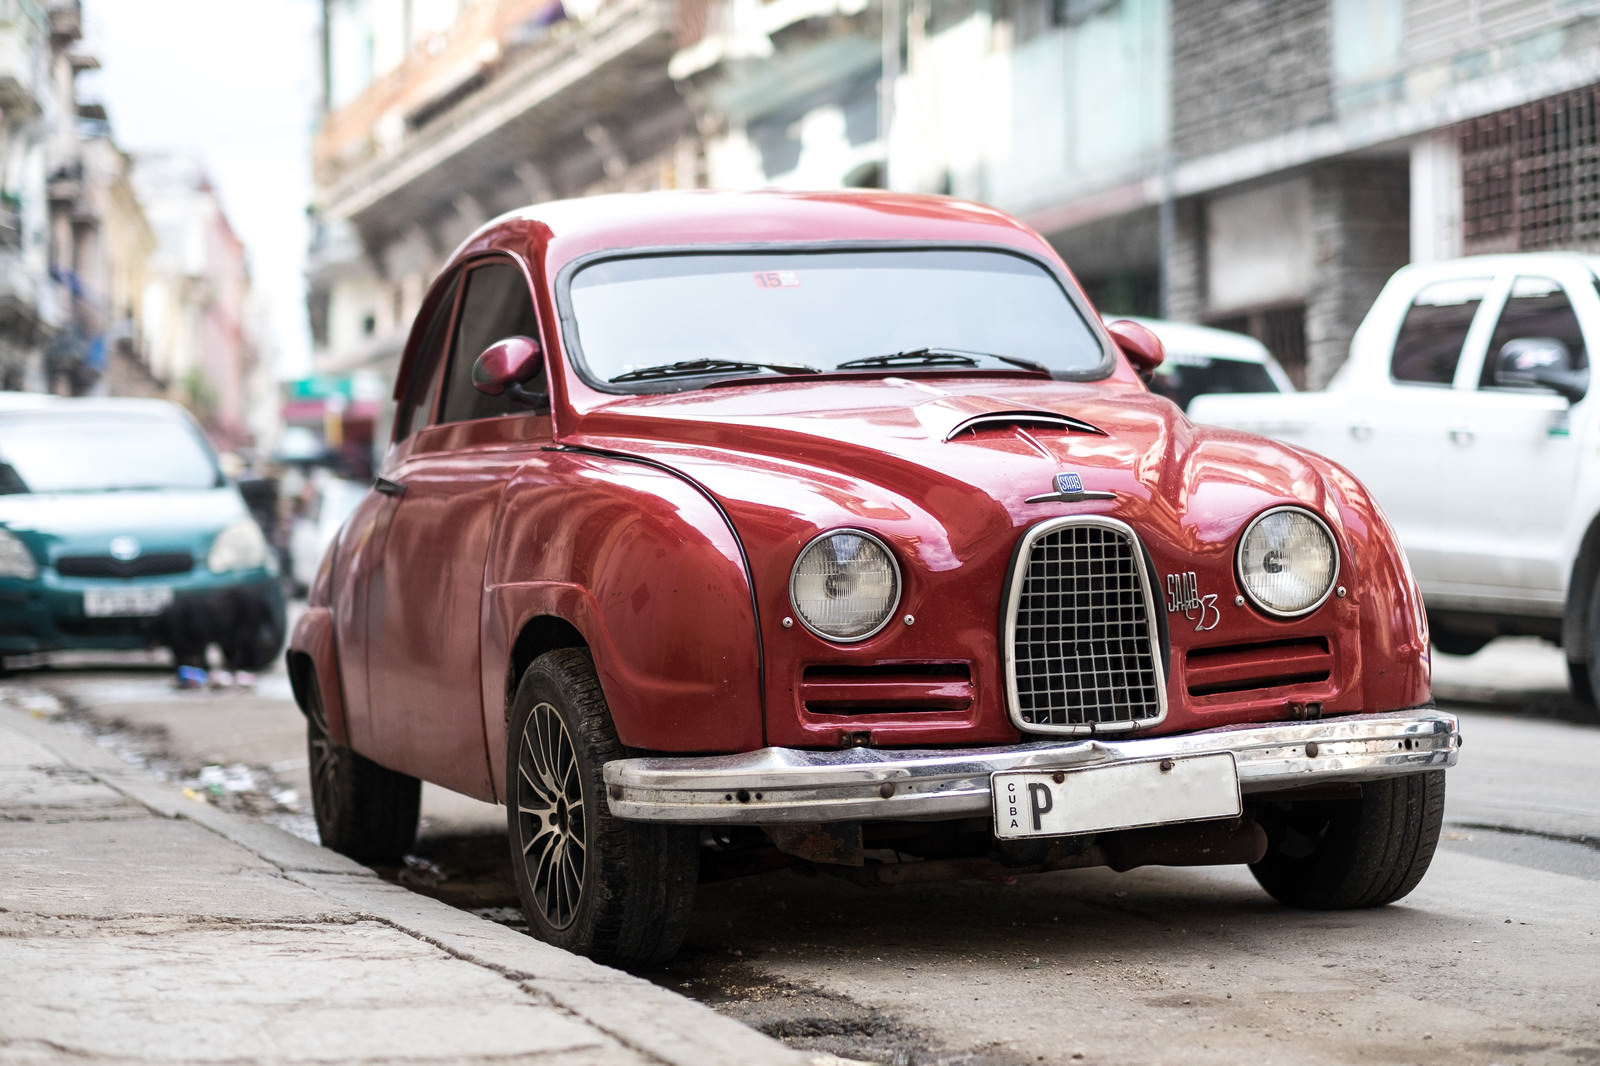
(137, 925)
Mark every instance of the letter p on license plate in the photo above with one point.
(1124, 795)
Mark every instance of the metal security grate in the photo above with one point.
(1530, 176)
(1080, 631)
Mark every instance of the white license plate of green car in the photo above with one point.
(1127, 795)
(142, 602)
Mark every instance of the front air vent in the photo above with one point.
(1081, 631)
(996, 421)
(886, 689)
(151, 565)
(1266, 664)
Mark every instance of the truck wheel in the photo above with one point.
(1346, 854)
(363, 810)
(1585, 676)
(619, 892)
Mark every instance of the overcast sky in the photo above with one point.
(235, 82)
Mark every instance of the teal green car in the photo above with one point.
(114, 517)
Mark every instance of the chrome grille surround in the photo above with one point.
(1080, 640)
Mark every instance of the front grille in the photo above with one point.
(141, 566)
(1081, 631)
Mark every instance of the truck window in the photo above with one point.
(1435, 328)
(1537, 307)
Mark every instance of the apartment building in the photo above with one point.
(1257, 164)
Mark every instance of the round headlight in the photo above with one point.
(845, 585)
(239, 547)
(1287, 561)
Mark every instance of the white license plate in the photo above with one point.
(126, 603)
(1092, 799)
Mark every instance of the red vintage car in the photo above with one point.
(837, 528)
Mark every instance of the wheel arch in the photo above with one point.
(313, 656)
(1585, 571)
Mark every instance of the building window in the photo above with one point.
(1530, 176)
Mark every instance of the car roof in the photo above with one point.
(1499, 262)
(701, 217)
(1186, 338)
(38, 401)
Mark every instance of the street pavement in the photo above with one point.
(141, 924)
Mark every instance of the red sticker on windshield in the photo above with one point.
(778, 279)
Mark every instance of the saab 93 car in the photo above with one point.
(113, 511)
(837, 529)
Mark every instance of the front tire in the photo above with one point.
(619, 892)
(365, 811)
(1348, 854)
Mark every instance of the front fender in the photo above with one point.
(313, 654)
(647, 569)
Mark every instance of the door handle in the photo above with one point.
(1361, 430)
(1462, 435)
(389, 488)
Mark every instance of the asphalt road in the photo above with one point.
(1493, 959)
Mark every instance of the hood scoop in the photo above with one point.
(999, 421)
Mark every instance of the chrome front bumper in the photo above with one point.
(775, 785)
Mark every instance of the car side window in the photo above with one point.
(1538, 309)
(1435, 330)
(496, 305)
(423, 389)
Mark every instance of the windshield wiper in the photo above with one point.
(937, 357)
(694, 367)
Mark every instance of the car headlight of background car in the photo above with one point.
(239, 547)
(845, 585)
(15, 558)
(1287, 561)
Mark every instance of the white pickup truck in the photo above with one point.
(1465, 407)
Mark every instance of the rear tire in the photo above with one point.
(365, 811)
(1348, 854)
(619, 892)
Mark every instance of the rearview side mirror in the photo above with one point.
(506, 365)
(1540, 361)
(1142, 347)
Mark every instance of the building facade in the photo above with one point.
(441, 114)
(1262, 165)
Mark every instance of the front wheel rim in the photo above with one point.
(551, 821)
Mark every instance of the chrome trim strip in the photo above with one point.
(1018, 579)
(779, 785)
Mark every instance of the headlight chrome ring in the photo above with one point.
(1287, 561)
(845, 585)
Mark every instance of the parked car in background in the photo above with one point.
(114, 512)
(1466, 407)
(1200, 360)
(327, 501)
(837, 528)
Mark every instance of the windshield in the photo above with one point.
(100, 451)
(768, 313)
(1183, 377)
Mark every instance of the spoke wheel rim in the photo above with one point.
(326, 765)
(551, 819)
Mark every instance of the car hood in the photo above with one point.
(168, 519)
(969, 456)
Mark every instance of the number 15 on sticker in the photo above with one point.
(778, 279)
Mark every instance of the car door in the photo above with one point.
(1397, 439)
(360, 558)
(1511, 470)
(424, 602)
